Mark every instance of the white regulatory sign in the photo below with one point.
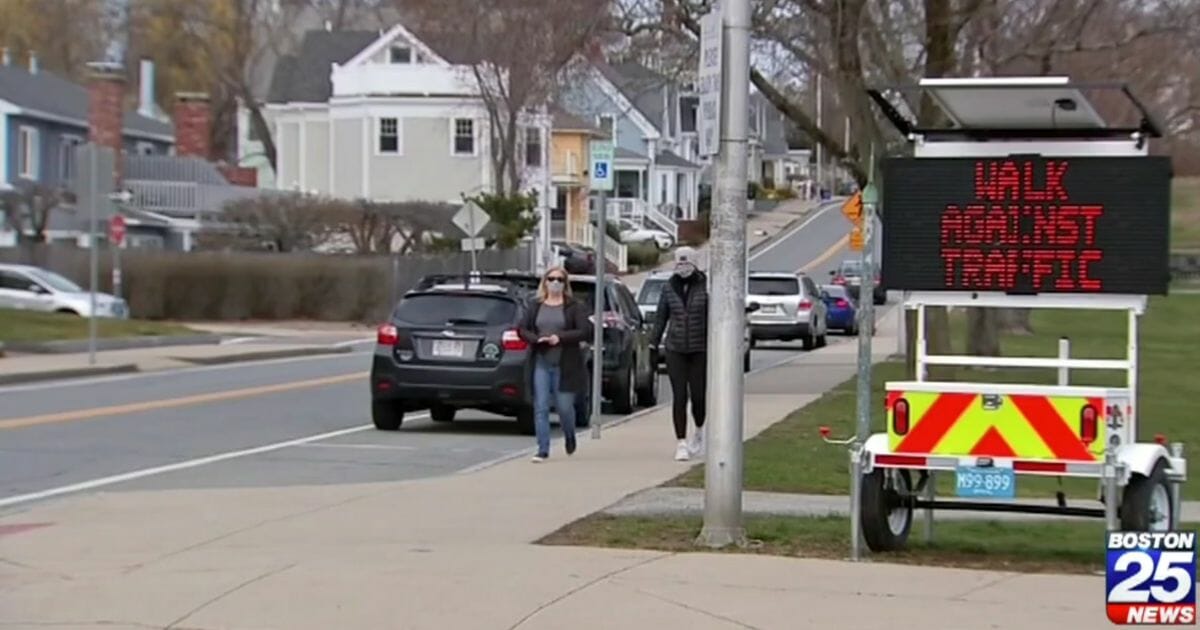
(602, 158)
(708, 115)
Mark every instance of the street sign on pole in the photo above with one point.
(870, 200)
(473, 244)
(471, 219)
(856, 238)
(853, 208)
(93, 184)
(709, 79)
(601, 170)
(116, 230)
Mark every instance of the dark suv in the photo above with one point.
(452, 344)
(630, 377)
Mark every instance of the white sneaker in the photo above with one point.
(696, 445)
(681, 451)
(537, 459)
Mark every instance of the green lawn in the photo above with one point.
(1030, 546)
(25, 326)
(1185, 214)
(790, 456)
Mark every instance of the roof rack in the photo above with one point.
(514, 280)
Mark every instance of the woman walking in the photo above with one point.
(683, 314)
(554, 326)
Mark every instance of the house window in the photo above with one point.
(464, 136)
(389, 135)
(27, 153)
(66, 157)
(400, 54)
(533, 146)
(145, 148)
(608, 125)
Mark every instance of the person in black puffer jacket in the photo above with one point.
(683, 315)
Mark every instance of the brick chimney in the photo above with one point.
(106, 92)
(193, 124)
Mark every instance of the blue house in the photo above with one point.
(43, 117)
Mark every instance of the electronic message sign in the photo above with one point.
(1027, 224)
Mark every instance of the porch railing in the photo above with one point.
(614, 251)
(663, 220)
(639, 211)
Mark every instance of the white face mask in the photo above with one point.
(554, 287)
(684, 270)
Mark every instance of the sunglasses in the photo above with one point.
(558, 279)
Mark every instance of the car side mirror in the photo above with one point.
(832, 272)
(753, 306)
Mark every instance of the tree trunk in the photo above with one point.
(937, 341)
(983, 333)
(1016, 321)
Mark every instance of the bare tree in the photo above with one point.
(287, 222)
(29, 206)
(517, 52)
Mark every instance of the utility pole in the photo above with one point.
(820, 152)
(870, 204)
(727, 304)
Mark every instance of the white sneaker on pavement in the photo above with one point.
(696, 445)
(681, 451)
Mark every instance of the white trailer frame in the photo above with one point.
(1081, 132)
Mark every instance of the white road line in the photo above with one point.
(822, 209)
(354, 342)
(191, 463)
(237, 340)
(381, 447)
(73, 382)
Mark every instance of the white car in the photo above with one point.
(631, 232)
(35, 289)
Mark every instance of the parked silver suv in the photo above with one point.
(790, 308)
(36, 289)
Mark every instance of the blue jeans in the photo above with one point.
(546, 379)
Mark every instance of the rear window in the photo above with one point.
(774, 286)
(438, 310)
(586, 292)
(835, 290)
(851, 268)
(651, 291)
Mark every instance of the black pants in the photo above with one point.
(687, 371)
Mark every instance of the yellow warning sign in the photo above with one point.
(856, 238)
(852, 209)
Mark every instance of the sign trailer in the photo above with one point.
(1030, 199)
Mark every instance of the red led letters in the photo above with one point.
(1022, 230)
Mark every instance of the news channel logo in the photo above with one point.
(1150, 578)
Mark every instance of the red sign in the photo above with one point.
(1027, 224)
(116, 229)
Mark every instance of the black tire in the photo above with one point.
(810, 341)
(753, 343)
(387, 415)
(746, 361)
(1138, 510)
(623, 394)
(647, 395)
(525, 421)
(879, 503)
(442, 413)
(823, 340)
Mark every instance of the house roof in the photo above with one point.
(644, 88)
(305, 76)
(562, 120)
(45, 94)
(669, 158)
(173, 168)
(621, 153)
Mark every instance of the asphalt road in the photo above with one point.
(280, 422)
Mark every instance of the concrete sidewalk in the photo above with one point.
(454, 553)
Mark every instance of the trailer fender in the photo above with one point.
(1141, 458)
(877, 443)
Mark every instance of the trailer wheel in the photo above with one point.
(1146, 502)
(886, 514)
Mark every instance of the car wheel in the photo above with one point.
(746, 361)
(623, 393)
(525, 421)
(442, 413)
(810, 340)
(753, 343)
(387, 415)
(647, 396)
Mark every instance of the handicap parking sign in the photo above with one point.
(602, 157)
(601, 170)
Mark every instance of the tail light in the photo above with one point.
(841, 303)
(839, 280)
(387, 335)
(804, 306)
(900, 416)
(511, 340)
(1087, 424)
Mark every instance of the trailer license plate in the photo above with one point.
(990, 483)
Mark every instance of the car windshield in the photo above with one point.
(586, 292)
(428, 309)
(774, 286)
(56, 282)
(651, 291)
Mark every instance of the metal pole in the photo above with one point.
(598, 314)
(727, 304)
(1176, 488)
(116, 270)
(865, 335)
(474, 233)
(820, 153)
(93, 255)
(1064, 353)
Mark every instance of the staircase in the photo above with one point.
(641, 212)
(614, 251)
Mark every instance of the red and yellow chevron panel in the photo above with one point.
(1023, 426)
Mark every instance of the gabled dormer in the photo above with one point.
(399, 64)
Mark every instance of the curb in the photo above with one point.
(115, 343)
(264, 355)
(68, 373)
